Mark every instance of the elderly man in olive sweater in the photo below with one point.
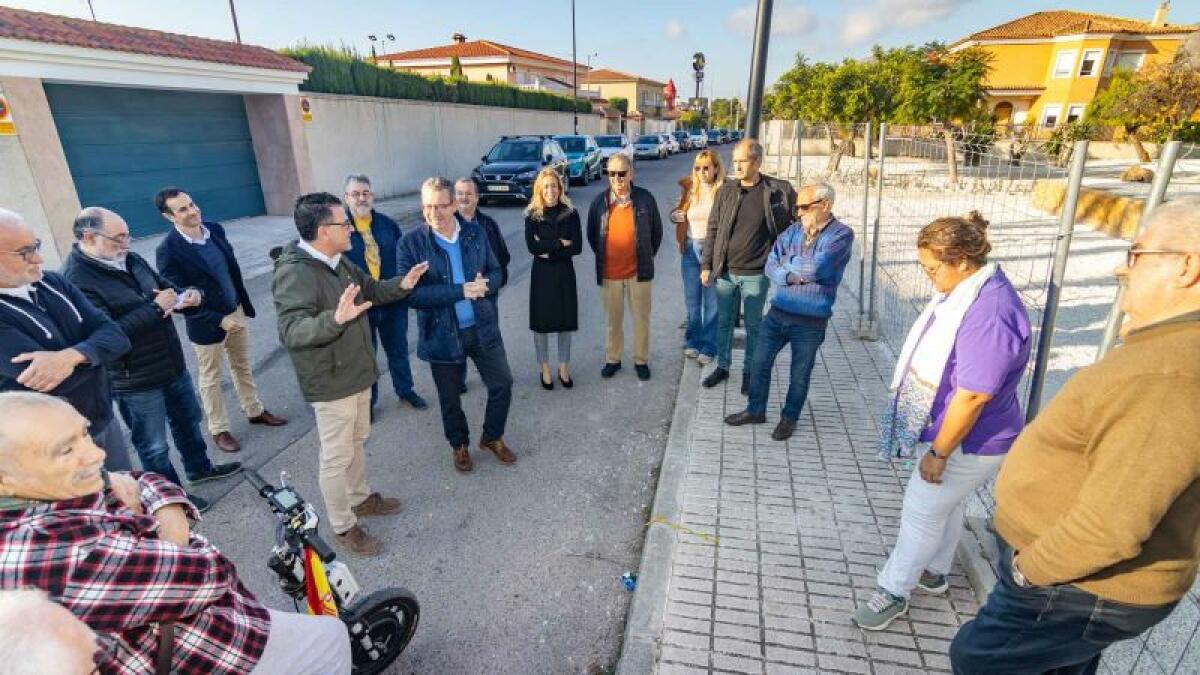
(1098, 503)
(328, 336)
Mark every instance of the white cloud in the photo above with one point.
(674, 29)
(786, 19)
(864, 25)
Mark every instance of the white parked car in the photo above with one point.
(699, 139)
(613, 144)
(672, 144)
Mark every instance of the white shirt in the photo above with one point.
(21, 292)
(311, 250)
(198, 242)
(452, 238)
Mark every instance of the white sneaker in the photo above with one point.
(691, 353)
(704, 359)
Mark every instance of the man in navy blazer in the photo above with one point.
(373, 242)
(196, 254)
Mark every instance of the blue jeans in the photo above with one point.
(149, 413)
(773, 335)
(734, 290)
(1053, 629)
(701, 302)
(389, 325)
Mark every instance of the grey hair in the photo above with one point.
(17, 405)
(24, 648)
(356, 178)
(1180, 218)
(8, 217)
(754, 147)
(438, 184)
(622, 158)
(467, 179)
(90, 219)
(822, 192)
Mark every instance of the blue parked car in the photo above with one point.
(583, 157)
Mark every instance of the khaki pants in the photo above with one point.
(344, 426)
(614, 294)
(208, 365)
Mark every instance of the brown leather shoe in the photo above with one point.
(499, 449)
(462, 459)
(268, 418)
(226, 442)
(358, 541)
(377, 505)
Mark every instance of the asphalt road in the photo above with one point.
(516, 568)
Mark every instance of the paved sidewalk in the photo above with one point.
(778, 542)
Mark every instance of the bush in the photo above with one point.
(341, 72)
(1189, 132)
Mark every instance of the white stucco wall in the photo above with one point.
(401, 143)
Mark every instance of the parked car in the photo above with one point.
(736, 135)
(583, 157)
(724, 135)
(698, 139)
(714, 136)
(613, 144)
(684, 139)
(672, 144)
(650, 145)
(508, 169)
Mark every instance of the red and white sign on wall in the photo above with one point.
(7, 128)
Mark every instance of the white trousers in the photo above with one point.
(301, 644)
(931, 520)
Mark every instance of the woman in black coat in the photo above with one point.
(554, 237)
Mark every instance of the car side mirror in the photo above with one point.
(549, 158)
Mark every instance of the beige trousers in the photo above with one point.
(614, 294)
(343, 426)
(209, 358)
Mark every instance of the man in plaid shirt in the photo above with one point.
(122, 558)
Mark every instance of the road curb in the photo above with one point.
(978, 553)
(643, 627)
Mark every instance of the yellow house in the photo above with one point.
(645, 95)
(488, 61)
(1048, 66)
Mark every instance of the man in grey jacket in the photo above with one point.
(748, 213)
(326, 332)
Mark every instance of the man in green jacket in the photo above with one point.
(327, 334)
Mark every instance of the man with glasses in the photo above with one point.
(624, 230)
(373, 243)
(458, 321)
(748, 213)
(53, 339)
(1097, 511)
(150, 383)
(324, 327)
(805, 266)
(196, 254)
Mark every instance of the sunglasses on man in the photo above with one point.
(618, 174)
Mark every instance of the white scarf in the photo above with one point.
(922, 362)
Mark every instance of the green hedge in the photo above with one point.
(340, 72)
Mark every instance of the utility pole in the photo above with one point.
(574, 74)
(758, 67)
(237, 33)
(93, 9)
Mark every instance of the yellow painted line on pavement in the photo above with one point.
(683, 529)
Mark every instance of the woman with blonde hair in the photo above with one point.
(554, 236)
(691, 226)
(953, 407)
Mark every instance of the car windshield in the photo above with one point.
(648, 140)
(519, 151)
(608, 141)
(572, 143)
(680, 134)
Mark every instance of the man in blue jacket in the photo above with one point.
(457, 320)
(196, 254)
(53, 340)
(805, 266)
(373, 243)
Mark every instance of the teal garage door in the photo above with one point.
(123, 145)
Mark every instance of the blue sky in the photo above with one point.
(655, 38)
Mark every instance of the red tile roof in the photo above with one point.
(1064, 22)
(609, 75)
(17, 24)
(474, 48)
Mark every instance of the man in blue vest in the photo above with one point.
(373, 244)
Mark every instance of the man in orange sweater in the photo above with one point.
(1098, 503)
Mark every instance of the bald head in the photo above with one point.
(20, 256)
(38, 635)
(1176, 224)
(46, 451)
(10, 219)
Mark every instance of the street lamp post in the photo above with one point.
(387, 38)
(237, 33)
(574, 74)
(758, 67)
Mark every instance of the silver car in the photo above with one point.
(613, 144)
(653, 146)
(699, 139)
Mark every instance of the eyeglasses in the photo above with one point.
(119, 239)
(447, 205)
(27, 253)
(1132, 256)
(932, 271)
(805, 207)
(617, 174)
(359, 193)
(345, 224)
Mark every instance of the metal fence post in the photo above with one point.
(1062, 249)
(800, 154)
(870, 329)
(796, 146)
(1162, 179)
(866, 207)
